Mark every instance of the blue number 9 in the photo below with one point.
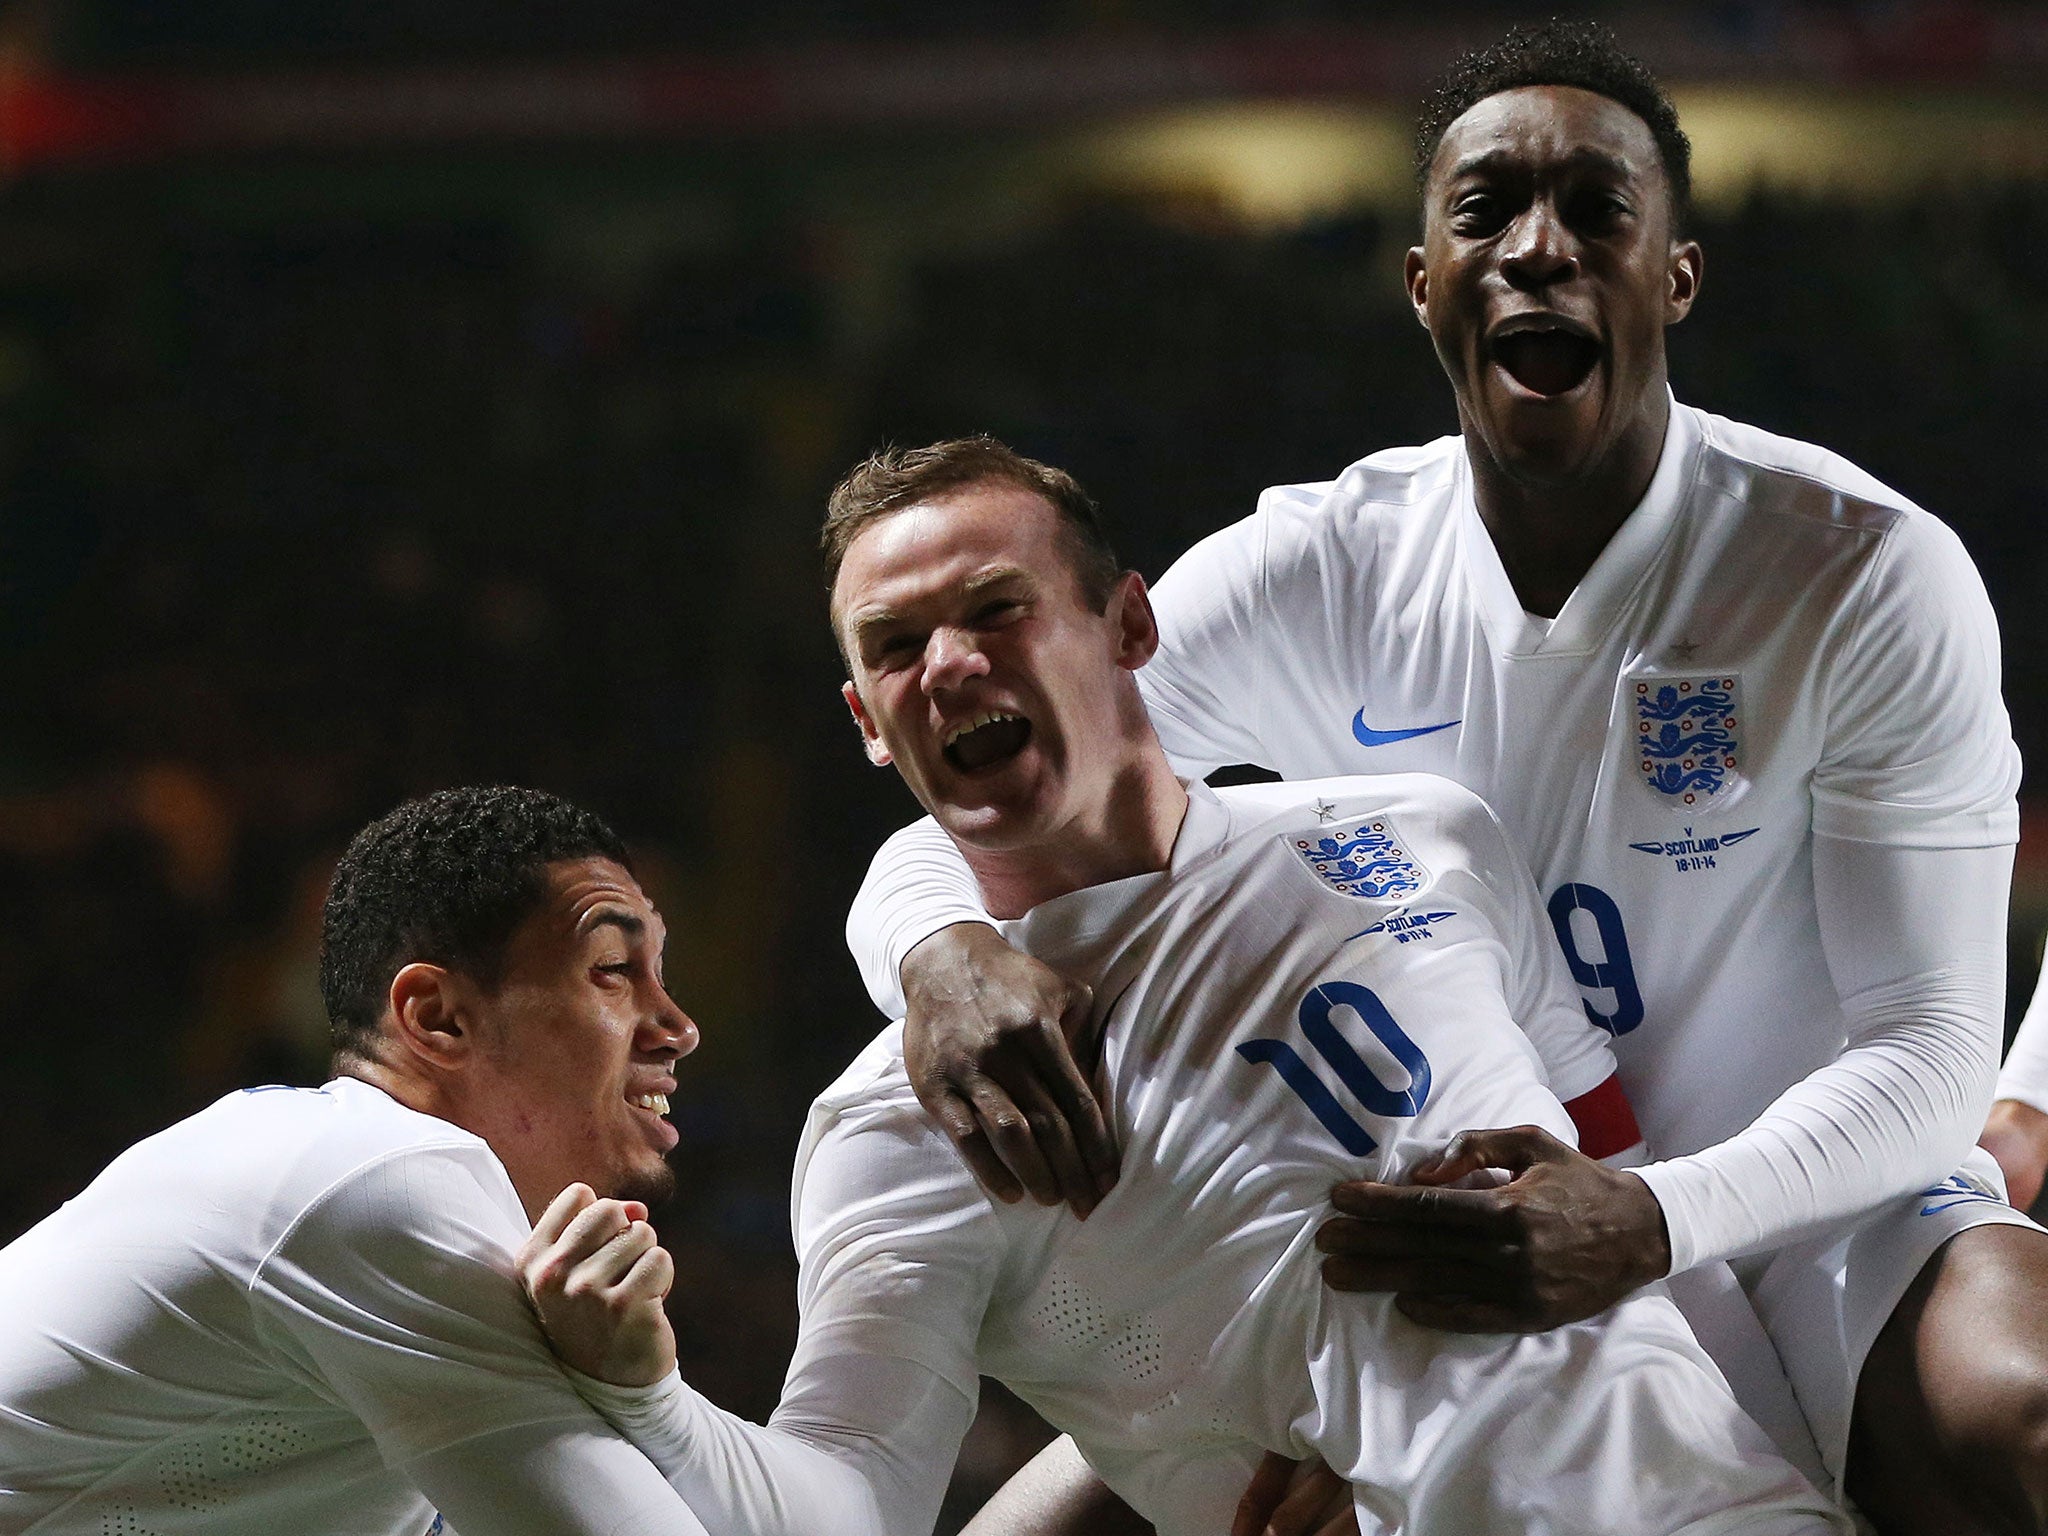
(1614, 970)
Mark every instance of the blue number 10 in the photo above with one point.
(1614, 969)
(1344, 1060)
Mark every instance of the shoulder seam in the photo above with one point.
(1904, 506)
(328, 1191)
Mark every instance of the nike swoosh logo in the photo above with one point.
(1368, 737)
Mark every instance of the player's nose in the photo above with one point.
(669, 1030)
(1539, 248)
(951, 656)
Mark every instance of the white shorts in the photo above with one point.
(1823, 1301)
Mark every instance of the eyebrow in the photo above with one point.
(611, 917)
(1582, 158)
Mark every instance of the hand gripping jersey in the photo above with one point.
(296, 1312)
(1325, 985)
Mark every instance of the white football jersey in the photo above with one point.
(296, 1311)
(1773, 645)
(1325, 985)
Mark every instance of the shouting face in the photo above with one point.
(1548, 271)
(980, 670)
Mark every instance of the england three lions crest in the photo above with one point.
(1367, 859)
(1689, 737)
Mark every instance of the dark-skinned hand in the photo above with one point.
(1295, 1498)
(993, 1042)
(1565, 1238)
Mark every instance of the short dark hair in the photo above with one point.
(446, 879)
(896, 478)
(1584, 54)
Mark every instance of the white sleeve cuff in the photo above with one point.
(652, 1417)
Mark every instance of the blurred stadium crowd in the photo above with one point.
(304, 514)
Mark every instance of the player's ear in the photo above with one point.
(1415, 275)
(1684, 280)
(1130, 606)
(424, 1014)
(870, 738)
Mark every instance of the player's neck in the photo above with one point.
(1130, 833)
(1548, 532)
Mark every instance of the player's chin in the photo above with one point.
(1549, 439)
(651, 1182)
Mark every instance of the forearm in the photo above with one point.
(813, 1470)
(1056, 1494)
(540, 1480)
(916, 885)
(1916, 942)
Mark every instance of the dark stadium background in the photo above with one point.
(415, 392)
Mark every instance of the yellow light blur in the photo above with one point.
(1268, 163)
(1857, 144)
(1282, 163)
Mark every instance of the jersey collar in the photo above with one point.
(1058, 925)
(1598, 600)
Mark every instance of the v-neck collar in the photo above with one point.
(1594, 604)
(1083, 914)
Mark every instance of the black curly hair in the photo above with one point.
(446, 878)
(1584, 54)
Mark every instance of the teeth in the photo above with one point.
(989, 717)
(658, 1102)
(1535, 323)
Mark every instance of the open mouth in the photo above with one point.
(1547, 362)
(657, 1102)
(986, 741)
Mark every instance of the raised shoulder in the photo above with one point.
(867, 1133)
(1782, 476)
(873, 1080)
(1801, 512)
(355, 1158)
(268, 1155)
(1381, 485)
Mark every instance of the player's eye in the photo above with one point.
(1599, 209)
(1000, 611)
(1477, 213)
(895, 650)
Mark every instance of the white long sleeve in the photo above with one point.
(917, 884)
(865, 1449)
(2025, 1074)
(1915, 939)
(898, 1255)
(394, 1294)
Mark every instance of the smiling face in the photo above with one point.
(1547, 274)
(572, 1052)
(982, 674)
